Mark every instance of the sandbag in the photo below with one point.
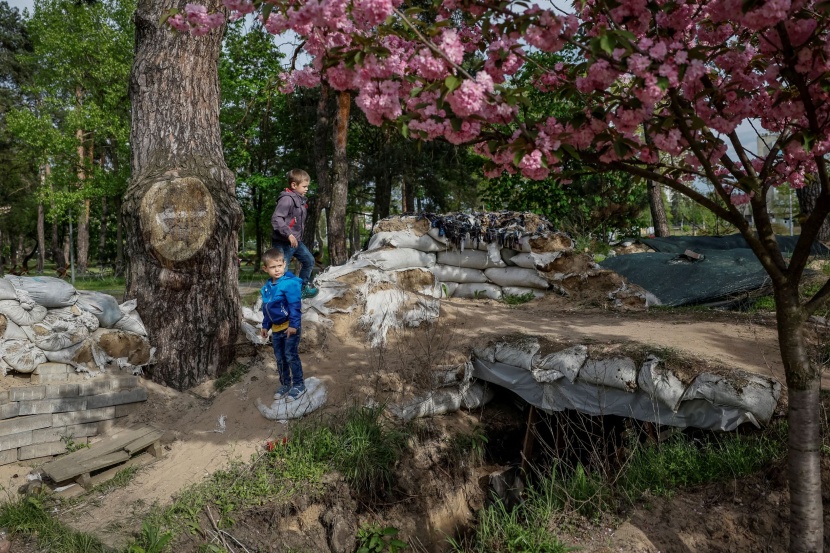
(398, 258)
(12, 331)
(521, 291)
(444, 400)
(405, 239)
(20, 315)
(614, 372)
(22, 355)
(103, 306)
(445, 273)
(477, 290)
(131, 320)
(515, 276)
(471, 259)
(82, 356)
(53, 333)
(447, 289)
(541, 261)
(285, 409)
(118, 344)
(46, 291)
(252, 333)
(7, 291)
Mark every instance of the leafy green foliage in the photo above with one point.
(374, 539)
(517, 299)
(233, 375)
(151, 540)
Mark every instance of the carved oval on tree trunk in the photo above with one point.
(178, 217)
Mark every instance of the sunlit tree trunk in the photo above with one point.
(180, 209)
(41, 237)
(322, 199)
(658, 209)
(340, 182)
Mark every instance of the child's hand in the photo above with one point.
(292, 240)
(290, 331)
(263, 332)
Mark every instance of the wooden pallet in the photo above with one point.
(80, 464)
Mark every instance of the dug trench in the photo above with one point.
(436, 494)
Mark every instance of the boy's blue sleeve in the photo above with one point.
(293, 298)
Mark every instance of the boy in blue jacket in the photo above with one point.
(281, 303)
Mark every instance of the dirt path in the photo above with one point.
(194, 448)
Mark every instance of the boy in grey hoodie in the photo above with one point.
(288, 222)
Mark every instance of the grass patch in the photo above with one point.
(29, 517)
(682, 462)
(231, 377)
(121, 479)
(102, 283)
(465, 451)
(517, 299)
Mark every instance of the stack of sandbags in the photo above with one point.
(468, 254)
(44, 319)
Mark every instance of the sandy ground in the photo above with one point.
(194, 448)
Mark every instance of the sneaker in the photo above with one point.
(308, 291)
(281, 391)
(296, 392)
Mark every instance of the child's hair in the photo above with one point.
(272, 254)
(297, 175)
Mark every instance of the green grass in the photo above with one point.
(29, 517)
(681, 462)
(231, 377)
(121, 479)
(517, 299)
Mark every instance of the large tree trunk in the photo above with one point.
(83, 239)
(180, 209)
(55, 245)
(340, 183)
(41, 237)
(658, 209)
(119, 239)
(321, 200)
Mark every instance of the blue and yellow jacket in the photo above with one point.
(281, 302)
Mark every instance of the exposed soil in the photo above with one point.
(740, 516)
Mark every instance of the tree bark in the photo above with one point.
(338, 253)
(41, 237)
(82, 236)
(807, 197)
(102, 235)
(322, 199)
(180, 209)
(658, 209)
(119, 239)
(383, 184)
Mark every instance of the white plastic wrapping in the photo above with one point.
(285, 409)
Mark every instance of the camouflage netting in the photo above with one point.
(44, 319)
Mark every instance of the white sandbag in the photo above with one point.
(82, 356)
(398, 258)
(7, 290)
(615, 372)
(660, 383)
(253, 317)
(565, 363)
(518, 353)
(285, 409)
(130, 320)
(46, 291)
(22, 355)
(405, 239)
(252, 333)
(477, 290)
(445, 273)
(452, 375)
(13, 331)
(103, 306)
(541, 261)
(471, 259)
(507, 255)
(55, 334)
(522, 291)
(739, 389)
(89, 320)
(20, 315)
(515, 276)
(448, 289)
(445, 400)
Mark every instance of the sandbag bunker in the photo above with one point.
(571, 379)
(46, 320)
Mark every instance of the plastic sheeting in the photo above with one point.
(679, 244)
(568, 379)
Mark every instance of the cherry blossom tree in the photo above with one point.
(691, 72)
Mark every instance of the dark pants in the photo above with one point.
(286, 351)
(303, 256)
